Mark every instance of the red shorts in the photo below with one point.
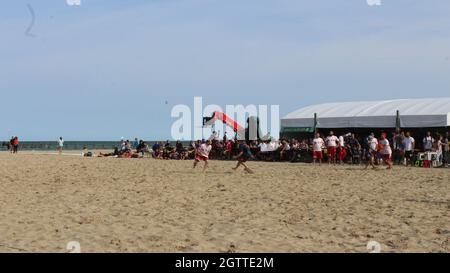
(201, 158)
(342, 154)
(331, 152)
(317, 155)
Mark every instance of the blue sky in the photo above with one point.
(105, 69)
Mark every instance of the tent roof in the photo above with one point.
(381, 114)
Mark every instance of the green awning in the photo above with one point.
(297, 130)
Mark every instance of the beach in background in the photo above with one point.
(148, 205)
(76, 145)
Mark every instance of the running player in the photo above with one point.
(385, 150)
(372, 151)
(202, 153)
(244, 155)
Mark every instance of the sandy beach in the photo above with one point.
(147, 205)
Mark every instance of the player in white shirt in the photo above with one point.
(409, 144)
(385, 150)
(342, 151)
(332, 142)
(202, 153)
(318, 144)
(372, 153)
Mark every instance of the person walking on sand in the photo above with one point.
(318, 144)
(332, 142)
(371, 152)
(202, 153)
(244, 155)
(11, 145)
(60, 145)
(385, 150)
(15, 145)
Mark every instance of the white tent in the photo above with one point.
(413, 113)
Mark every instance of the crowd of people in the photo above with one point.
(127, 149)
(400, 149)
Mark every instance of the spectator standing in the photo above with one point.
(428, 142)
(15, 145)
(332, 142)
(409, 143)
(446, 156)
(318, 144)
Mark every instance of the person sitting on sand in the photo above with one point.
(142, 148)
(202, 154)
(129, 154)
(157, 152)
(86, 153)
(244, 155)
(190, 153)
(167, 151)
(116, 152)
(125, 146)
(181, 151)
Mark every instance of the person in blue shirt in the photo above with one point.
(244, 155)
(157, 150)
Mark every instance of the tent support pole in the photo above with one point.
(315, 123)
(397, 122)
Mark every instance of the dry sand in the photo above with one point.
(146, 205)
